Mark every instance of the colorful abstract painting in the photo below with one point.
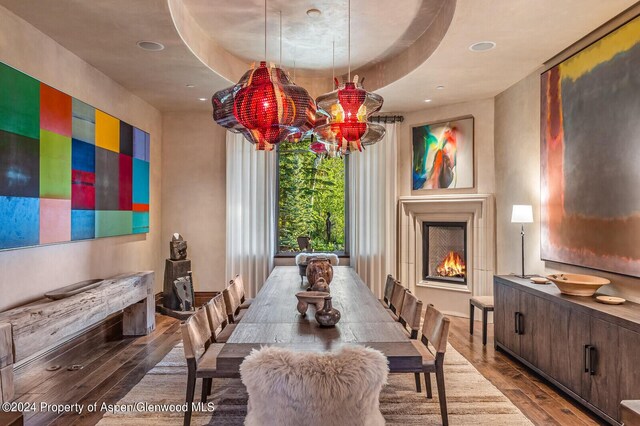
(443, 155)
(67, 170)
(590, 155)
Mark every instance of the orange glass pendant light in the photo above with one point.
(348, 109)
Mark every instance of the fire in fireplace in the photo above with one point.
(444, 251)
(452, 266)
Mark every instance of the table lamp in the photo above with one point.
(522, 213)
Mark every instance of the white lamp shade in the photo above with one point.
(522, 213)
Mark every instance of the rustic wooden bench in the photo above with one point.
(28, 331)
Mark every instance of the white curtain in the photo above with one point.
(251, 198)
(372, 211)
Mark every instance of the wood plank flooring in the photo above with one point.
(542, 403)
(113, 365)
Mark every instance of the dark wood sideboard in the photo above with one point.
(588, 349)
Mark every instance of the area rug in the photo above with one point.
(471, 399)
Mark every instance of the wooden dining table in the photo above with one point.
(273, 320)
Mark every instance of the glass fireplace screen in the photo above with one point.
(444, 251)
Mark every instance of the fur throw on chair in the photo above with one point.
(303, 258)
(314, 389)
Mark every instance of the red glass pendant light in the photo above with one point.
(265, 106)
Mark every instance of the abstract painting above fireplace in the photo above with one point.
(443, 155)
(590, 206)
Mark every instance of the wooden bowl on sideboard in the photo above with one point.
(578, 284)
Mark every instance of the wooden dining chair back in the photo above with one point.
(397, 297)
(241, 292)
(201, 357)
(217, 315)
(435, 330)
(196, 335)
(411, 314)
(233, 299)
(388, 289)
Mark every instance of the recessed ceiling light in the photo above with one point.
(314, 13)
(202, 99)
(152, 46)
(482, 46)
(191, 86)
(439, 87)
(427, 100)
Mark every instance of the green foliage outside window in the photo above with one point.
(310, 186)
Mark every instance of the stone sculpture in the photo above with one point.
(184, 292)
(178, 247)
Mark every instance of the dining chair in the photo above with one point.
(397, 298)
(435, 330)
(388, 290)
(411, 314)
(292, 388)
(218, 320)
(201, 358)
(233, 300)
(244, 302)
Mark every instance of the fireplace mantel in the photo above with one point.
(478, 212)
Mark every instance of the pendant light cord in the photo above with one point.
(333, 62)
(349, 37)
(265, 31)
(280, 64)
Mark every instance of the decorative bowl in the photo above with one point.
(578, 284)
(306, 298)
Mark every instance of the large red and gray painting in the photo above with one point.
(590, 155)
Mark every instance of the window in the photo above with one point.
(311, 200)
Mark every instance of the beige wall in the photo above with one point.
(451, 301)
(193, 193)
(517, 160)
(26, 274)
(482, 111)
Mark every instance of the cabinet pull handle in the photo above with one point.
(520, 323)
(587, 358)
(592, 360)
(515, 321)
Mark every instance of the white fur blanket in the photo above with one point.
(314, 389)
(303, 257)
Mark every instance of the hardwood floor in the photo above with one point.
(112, 365)
(542, 403)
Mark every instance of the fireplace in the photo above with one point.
(445, 252)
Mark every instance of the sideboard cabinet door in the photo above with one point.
(578, 337)
(605, 367)
(506, 305)
(536, 332)
(629, 365)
